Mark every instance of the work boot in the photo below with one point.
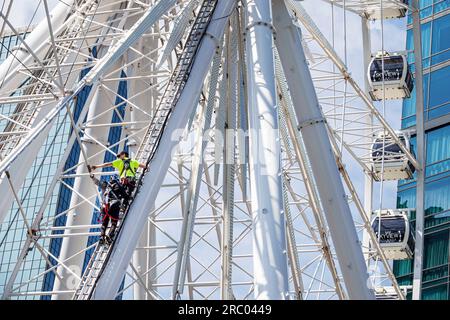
(108, 239)
(112, 231)
(102, 235)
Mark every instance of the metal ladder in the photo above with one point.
(176, 83)
(151, 139)
(92, 272)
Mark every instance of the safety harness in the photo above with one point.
(127, 166)
(106, 201)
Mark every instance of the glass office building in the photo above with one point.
(435, 25)
(12, 231)
(35, 187)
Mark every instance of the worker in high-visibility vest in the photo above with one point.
(127, 170)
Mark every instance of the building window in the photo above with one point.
(435, 293)
(406, 198)
(441, 5)
(409, 105)
(435, 254)
(435, 42)
(430, 7)
(439, 93)
(436, 98)
(437, 203)
(438, 151)
(440, 48)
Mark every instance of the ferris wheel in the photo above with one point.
(261, 151)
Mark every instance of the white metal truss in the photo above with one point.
(366, 8)
(190, 231)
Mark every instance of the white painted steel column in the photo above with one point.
(149, 234)
(139, 95)
(139, 256)
(270, 274)
(110, 280)
(143, 259)
(420, 150)
(314, 132)
(82, 214)
(368, 181)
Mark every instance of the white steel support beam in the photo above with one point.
(294, 262)
(242, 137)
(138, 95)
(142, 261)
(269, 238)
(312, 125)
(309, 183)
(229, 158)
(152, 102)
(109, 282)
(368, 181)
(8, 10)
(420, 150)
(189, 207)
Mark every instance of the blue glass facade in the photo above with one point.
(435, 22)
(31, 194)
